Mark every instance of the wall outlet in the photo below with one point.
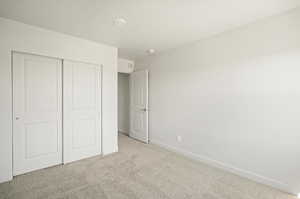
(179, 138)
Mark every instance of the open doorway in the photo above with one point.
(132, 102)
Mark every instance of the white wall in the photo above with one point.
(123, 102)
(24, 38)
(235, 100)
(125, 65)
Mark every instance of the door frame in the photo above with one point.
(62, 68)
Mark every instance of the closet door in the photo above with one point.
(37, 112)
(82, 110)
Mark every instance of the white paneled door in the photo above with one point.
(139, 105)
(37, 112)
(82, 110)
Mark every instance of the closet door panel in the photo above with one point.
(82, 110)
(37, 107)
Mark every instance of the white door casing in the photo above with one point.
(82, 110)
(139, 105)
(37, 112)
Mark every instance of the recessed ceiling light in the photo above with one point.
(151, 51)
(120, 22)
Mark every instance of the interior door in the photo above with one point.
(37, 112)
(82, 110)
(139, 105)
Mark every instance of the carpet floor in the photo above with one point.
(137, 171)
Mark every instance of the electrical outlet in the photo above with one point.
(179, 138)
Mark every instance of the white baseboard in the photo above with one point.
(5, 179)
(123, 132)
(104, 153)
(240, 172)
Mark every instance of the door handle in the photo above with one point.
(144, 109)
(17, 118)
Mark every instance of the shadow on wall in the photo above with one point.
(123, 103)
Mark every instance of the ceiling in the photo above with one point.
(157, 24)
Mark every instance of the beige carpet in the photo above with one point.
(137, 171)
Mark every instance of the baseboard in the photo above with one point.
(123, 132)
(240, 172)
(104, 153)
(4, 179)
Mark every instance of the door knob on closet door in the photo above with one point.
(17, 118)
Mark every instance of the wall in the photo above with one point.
(24, 38)
(125, 66)
(235, 100)
(123, 102)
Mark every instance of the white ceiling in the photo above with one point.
(158, 24)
